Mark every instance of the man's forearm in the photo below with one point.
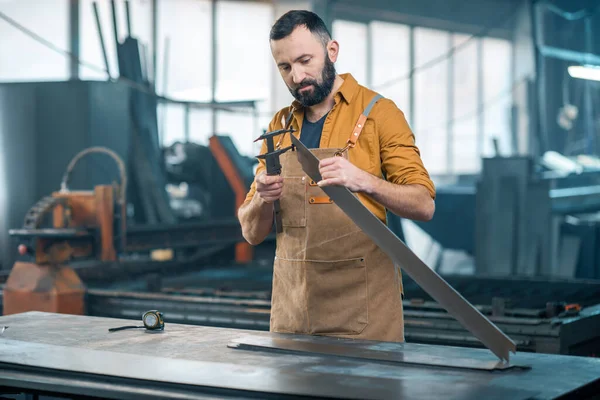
(407, 201)
(256, 218)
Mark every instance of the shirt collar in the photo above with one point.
(348, 88)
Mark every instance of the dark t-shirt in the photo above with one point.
(311, 132)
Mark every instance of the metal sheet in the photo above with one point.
(494, 339)
(248, 380)
(187, 372)
(367, 350)
(205, 354)
(51, 381)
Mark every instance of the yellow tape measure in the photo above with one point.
(152, 320)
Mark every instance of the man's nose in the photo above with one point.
(298, 75)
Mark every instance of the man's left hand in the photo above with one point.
(339, 171)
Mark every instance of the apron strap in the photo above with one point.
(351, 142)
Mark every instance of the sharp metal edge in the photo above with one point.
(473, 320)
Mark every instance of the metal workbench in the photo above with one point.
(240, 297)
(66, 355)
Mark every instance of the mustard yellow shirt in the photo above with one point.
(386, 144)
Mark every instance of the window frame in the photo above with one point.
(341, 13)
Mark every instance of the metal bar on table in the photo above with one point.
(473, 320)
(366, 350)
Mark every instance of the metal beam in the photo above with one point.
(154, 41)
(215, 65)
(570, 55)
(74, 39)
(364, 350)
(481, 327)
(480, 100)
(450, 109)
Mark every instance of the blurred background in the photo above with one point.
(503, 97)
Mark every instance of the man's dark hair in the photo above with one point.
(289, 21)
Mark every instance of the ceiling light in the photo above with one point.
(589, 72)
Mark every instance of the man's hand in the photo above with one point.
(269, 188)
(339, 171)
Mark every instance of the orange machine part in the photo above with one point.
(82, 206)
(243, 250)
(105, 217)
(91, 209)
(31, 287)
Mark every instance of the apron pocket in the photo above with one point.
(337, 296)
(293, 202)
(288, 301)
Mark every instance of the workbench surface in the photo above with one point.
(77, 355)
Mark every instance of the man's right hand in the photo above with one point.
(269, 188)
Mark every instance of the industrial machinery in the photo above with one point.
(89, 228)
(100, 266)
(521, 218)
(220, 360)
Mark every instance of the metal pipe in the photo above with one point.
(113, 8)
(215, 65)
(540, 80)
(128, 17)
(101, 37)
(75, 38)
(450, 110)
(570, 55)
(154, 41)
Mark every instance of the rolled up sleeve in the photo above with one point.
(261, 167)
(400, 157)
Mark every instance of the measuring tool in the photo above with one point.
(271, 158)
(152, 320)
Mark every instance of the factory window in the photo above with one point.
(93, 66)
(390, 63)
(431, 98)
(464, 139)
(184, 68)
(23, 56)
(497, 95)
(244, 70)
(454, 111)
(352, 37)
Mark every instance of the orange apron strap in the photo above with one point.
(351, 142)
(361, 121)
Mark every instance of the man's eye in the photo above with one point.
(306, 61)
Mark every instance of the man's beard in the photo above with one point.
(319, 90)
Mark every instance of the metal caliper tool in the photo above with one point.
(271, 158)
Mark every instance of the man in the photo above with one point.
(329, 278)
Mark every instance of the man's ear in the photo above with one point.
(333, 48)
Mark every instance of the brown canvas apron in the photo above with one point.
(329, 278)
